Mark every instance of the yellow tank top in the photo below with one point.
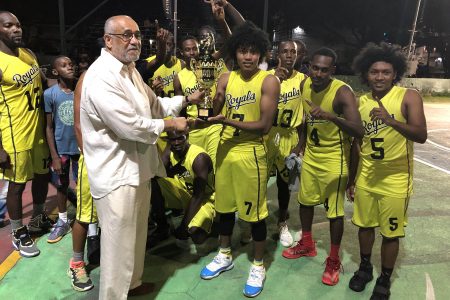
(327, 146)
(21, 101)
(290, 108)
(167, 75)
(242, 102)
(386, 163)
(188, 176)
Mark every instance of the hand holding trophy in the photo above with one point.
(206, 70)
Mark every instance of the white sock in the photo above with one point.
(92, 229)
(63, 216)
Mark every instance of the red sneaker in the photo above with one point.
(300, 250)
(332, 269)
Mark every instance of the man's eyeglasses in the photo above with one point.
(127, 35)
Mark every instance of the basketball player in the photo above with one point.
(283, 137)
(393, 119)
(166, 72)
(332, 117)
(189, 186)
(85, 225)
(23, 151)
(248, 96)
(185, 83)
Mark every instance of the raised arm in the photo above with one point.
(218, 12)
(415, 128)
(147, 69)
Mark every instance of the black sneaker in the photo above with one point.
(23, 243)
(40, 223)
(160, 234)
(361, 278)
(93, 249)
(381, 291)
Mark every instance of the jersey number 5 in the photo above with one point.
(379, 150)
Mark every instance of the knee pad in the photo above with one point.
(226, 223)
(259, 231)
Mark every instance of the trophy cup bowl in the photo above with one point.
(206, 70)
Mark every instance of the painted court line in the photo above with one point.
(9, 263)
(430, 289)
(438, 146)
(431, 165)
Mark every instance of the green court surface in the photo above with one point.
(423, 267)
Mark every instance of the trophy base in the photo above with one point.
(204, 113)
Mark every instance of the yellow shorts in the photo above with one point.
(321, 187)
(280, 143)
(86, 211)
(241, 181)
(376, 210)
(27, 163)
(176, 195)
(208, 138)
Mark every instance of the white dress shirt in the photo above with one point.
(121, 120)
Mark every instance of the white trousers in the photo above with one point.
(123, 217)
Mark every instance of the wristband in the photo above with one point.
(188, 101)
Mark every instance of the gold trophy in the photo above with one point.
(206, 70)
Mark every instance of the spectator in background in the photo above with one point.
(61, 138)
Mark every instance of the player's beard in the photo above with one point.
(14, 44)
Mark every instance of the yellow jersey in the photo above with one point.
(327, 146)
(21, 101)
(167, 75)
(188, 175)
(290, 108)
(242, 103)
(386, 160)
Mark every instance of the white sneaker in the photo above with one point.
(255, 281)
(220, 263)
(286, 238)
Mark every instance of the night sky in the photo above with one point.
(351, 23)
